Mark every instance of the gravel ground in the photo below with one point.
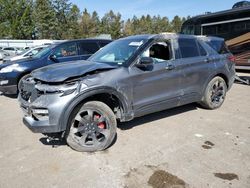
(182, 147)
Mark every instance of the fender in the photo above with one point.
(126, 114)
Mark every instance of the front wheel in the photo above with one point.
(215, 93)
(93, 128)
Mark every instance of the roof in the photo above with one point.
(233, 11)
(156, 36)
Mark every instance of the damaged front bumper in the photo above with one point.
(42, 111)
(43, 114)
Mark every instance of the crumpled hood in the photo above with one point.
(63, 71)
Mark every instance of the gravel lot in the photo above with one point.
(186, 146)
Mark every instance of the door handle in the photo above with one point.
(207, 60)
(170, 67)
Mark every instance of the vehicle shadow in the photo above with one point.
(242, 80)
(14, 96)
(55, 141)
(157, 116)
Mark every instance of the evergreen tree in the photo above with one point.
(86, 23)
(15, 19)
(62, 10)
(74, 31)
(45, 19)
(176, 24)
(111, 23)
(95, 26)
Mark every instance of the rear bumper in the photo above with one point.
(8, 89)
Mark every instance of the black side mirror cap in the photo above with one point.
(53, 58)
(145, 63)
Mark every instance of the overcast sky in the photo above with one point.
(168, 8)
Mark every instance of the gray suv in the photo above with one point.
(128, 78)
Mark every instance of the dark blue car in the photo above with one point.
(11, 73)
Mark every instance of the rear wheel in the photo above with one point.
(215, 93)
(92, 128)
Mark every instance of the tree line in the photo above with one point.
(60, 19)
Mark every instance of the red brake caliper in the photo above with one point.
(101, 125)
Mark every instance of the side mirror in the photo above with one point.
(146, 63)
(53, 58)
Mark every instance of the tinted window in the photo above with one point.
(88, 48)
(219, 46)
(223, 28)
(202, 50)
(188, 48)
(102, 44)
(188, 29)
(209, 30)
(66, 50)
(9, 49)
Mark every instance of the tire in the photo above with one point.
(92, 127)
(215, 93)
(19, 82)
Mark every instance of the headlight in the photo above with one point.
(64, 89)
(11, 68)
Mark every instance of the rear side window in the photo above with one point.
(87, 48)
(202, 50)
(102, 44)
(219, 46)
(12, 49)
(188, 48)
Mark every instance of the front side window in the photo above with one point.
(118, 52)
(159, 52)
(66, 50)
(188, 48)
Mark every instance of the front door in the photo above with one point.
(159, 88)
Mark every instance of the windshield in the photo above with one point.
(118, 52)
(41, 53)
(23, 52)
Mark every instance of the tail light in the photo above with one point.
(232, 58)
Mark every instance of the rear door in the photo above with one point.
(196, 66)
(87, 48)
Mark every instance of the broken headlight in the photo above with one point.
(65, 89)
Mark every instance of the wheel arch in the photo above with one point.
(97, 94)
(225, 78)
